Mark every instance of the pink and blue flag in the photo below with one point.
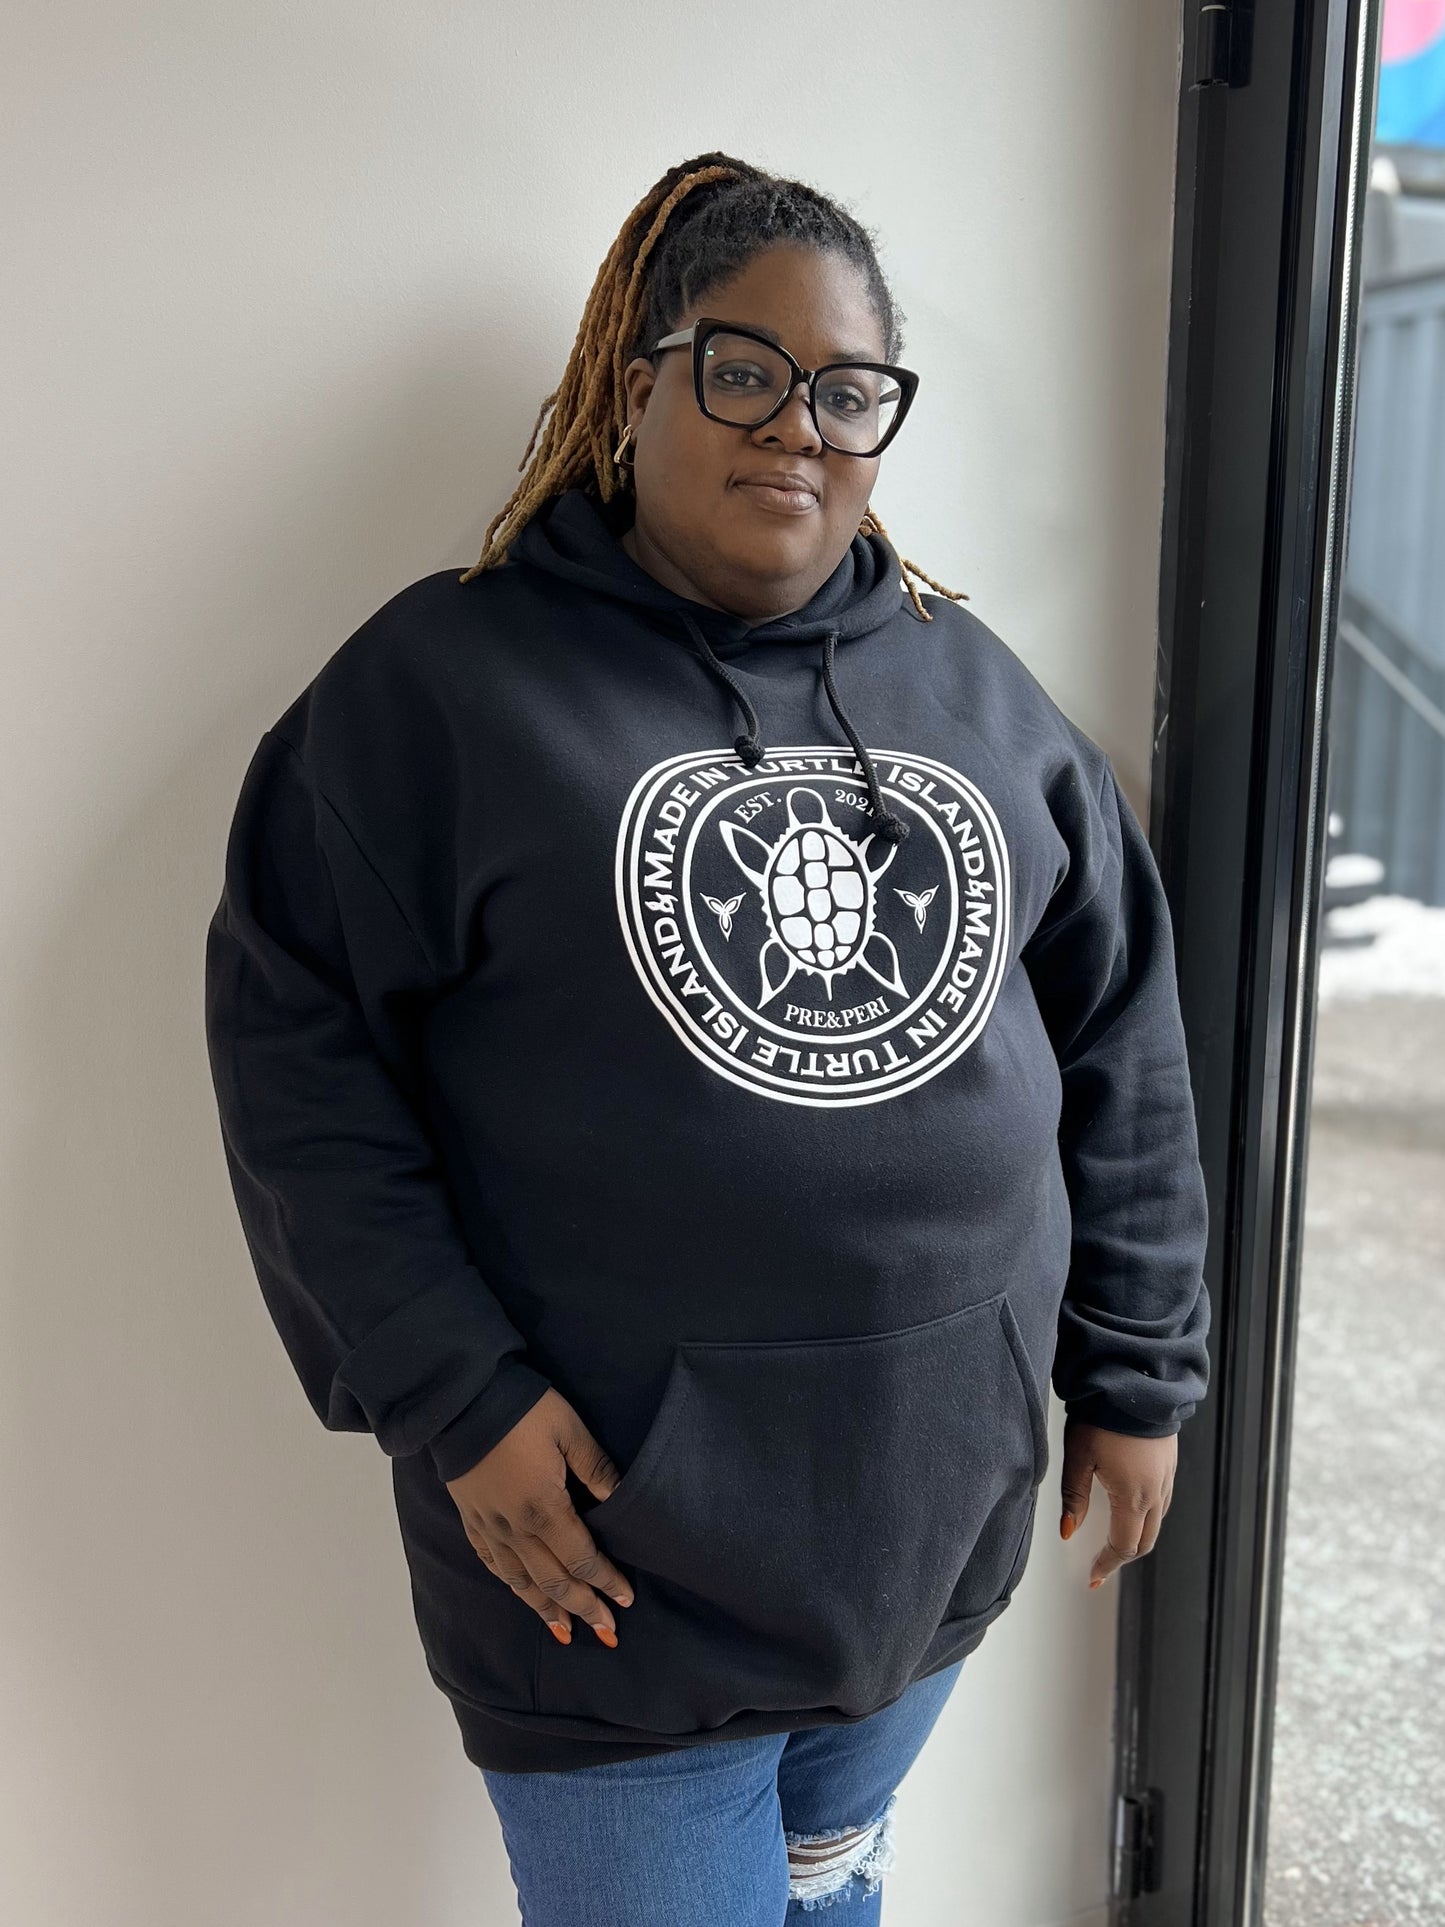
(1411, 106)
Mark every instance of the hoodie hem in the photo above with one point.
(497, 1741)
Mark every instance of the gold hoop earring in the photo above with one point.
(623, 468)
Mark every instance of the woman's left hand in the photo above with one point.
(1138, 1477)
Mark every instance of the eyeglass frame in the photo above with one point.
(698, 333)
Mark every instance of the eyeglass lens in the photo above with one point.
(744, 380)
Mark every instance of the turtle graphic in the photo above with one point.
(819, 891)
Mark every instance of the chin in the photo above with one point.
(793, 548)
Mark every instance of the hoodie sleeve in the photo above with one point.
(344, 1206)
(1131, 1341)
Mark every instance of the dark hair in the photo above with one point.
(723, 226)
(693, 229)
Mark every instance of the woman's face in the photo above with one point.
(707, 524)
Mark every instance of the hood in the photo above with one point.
(578, 538)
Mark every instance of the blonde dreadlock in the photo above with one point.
(589, 405)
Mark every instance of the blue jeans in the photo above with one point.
(731, 1833)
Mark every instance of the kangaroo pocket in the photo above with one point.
(802, 1517)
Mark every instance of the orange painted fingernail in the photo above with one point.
(563, 1633)
(606, 1635)
(1066, 1525)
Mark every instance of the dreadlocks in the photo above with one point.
(661, 261)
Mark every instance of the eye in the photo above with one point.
(845, 398)
(739, 375)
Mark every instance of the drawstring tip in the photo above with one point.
(749, 749)
(893, 829)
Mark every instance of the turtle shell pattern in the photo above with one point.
(819, 891)
(819, 894)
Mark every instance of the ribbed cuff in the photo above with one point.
(1098, 1409)
(510, 1393)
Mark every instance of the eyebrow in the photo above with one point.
(842, 354)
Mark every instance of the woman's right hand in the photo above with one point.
(524, 1527)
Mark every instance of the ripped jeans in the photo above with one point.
(733, 1833)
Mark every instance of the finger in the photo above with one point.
(503, 1561)
(503, 1558)
(572, 1553)
(498, 1558)
(1149, 1536)
(548, 1537)
(1076, 1483)
(590, 1462)
(525, 1566)
(581, 1556)
(1126, 1523)
(563, 1594)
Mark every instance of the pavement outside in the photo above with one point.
(1357, 1820)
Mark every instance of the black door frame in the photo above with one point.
(1276, 111)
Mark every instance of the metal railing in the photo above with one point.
(1387, 748)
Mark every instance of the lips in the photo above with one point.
(785, 490)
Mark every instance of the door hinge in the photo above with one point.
(1223, 41)
(1136, 1843)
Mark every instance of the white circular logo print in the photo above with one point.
(793, 950)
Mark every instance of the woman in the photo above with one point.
(697, 1047)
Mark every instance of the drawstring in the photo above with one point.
(749, 749)
(892, 828)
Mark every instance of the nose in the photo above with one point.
(793, 427)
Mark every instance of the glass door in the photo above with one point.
(1356, 1830)
(1277, 108)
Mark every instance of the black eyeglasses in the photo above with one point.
(744, 378)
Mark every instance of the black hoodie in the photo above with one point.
(778, 1054)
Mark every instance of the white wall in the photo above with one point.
(258, 259)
